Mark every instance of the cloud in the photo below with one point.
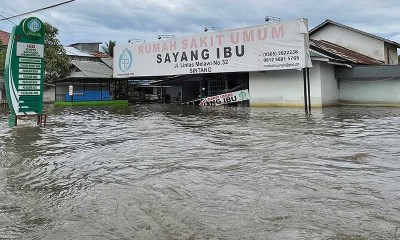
(120, 20)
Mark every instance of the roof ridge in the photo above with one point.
(336, 45)
(344, 53)
(329, 21)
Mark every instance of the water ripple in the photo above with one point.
(179, 172)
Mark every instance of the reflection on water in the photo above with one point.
(178, 172)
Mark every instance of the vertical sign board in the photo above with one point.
(24, 68)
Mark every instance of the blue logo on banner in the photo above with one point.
(125, 60)
(34, 25)
(242, 95)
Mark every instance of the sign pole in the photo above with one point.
(24, 70)
(305, 90)
(309, 90)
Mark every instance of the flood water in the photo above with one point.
(179, 172)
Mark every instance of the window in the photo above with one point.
(216, 87)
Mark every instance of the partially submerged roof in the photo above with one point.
(336, 51)
(90, 69)
(328, 21)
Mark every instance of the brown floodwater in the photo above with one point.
(181, 172)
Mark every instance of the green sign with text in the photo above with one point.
(24, 68)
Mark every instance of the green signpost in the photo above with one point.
(24, 70)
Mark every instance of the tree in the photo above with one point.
(109, 48)
(2, 58)
(57, 64)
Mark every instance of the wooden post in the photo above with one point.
(41, 120)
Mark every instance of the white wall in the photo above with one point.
(352, 40)
(378, 91)
(284, 88)
(329, 85)
(49, 95)
(392, 54)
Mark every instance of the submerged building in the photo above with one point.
(90, 80)
(280, 64)
(372, 73)
(273, 64)
(341, 57)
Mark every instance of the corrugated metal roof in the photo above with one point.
(314, 53)
(108, 61)
(328, 21)
(71, 51)
(100, 54)
(337, 51)
(78, 43)
(90, 69)
(77, 75)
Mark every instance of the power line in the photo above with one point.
(8, 20)
(37, 10)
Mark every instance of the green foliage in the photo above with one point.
(109, 48)
(2, 58)
(57, 63)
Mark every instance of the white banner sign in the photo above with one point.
(226, 98)
(277, 46)
(30, 50)
(71, 90)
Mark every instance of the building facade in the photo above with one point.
(359, 41)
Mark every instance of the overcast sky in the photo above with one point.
(120, 20)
